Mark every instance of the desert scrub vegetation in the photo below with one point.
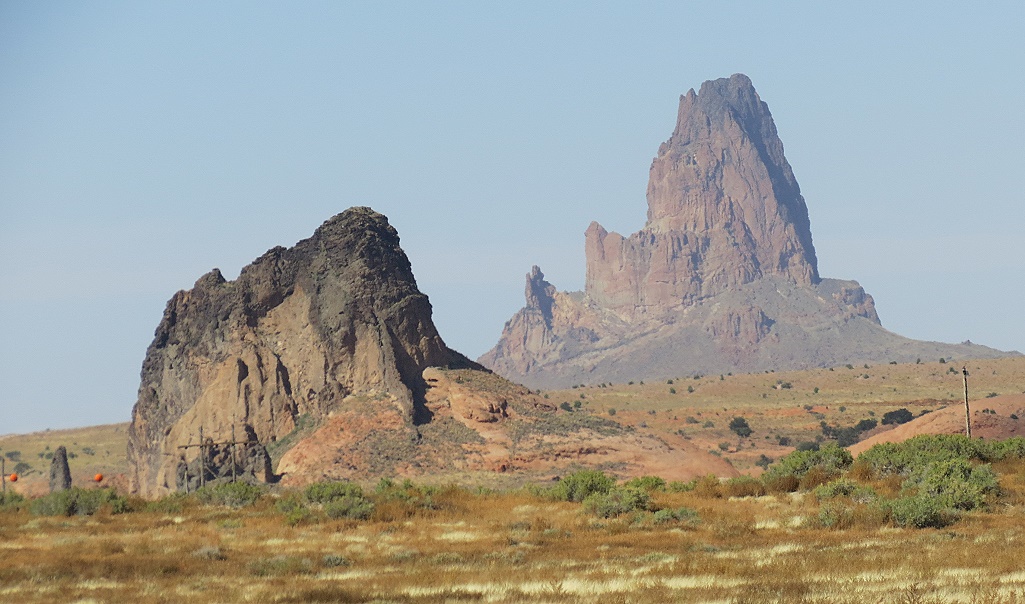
(583, 538)
(81, 502)
(237, 494)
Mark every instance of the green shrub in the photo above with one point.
(581, 485)
(897, 417)
(11, 501)
(412, 496)
(740, 427)
(647, 483)
(231, 494)
(616, 502)
(679, 486)
(956, 483)
(828, 460)
(919, 511)
(77, 501)
(324, 492)
(865, 425)
(349, 507)
(905, 458)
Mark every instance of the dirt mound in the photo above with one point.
(992, 418)
(481, 424)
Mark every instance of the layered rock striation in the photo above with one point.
(299, 331)
(723, 276)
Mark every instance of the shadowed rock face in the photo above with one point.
(298, 331)
(723, 276)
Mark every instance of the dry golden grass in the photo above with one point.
(843, 397)
(513, 547)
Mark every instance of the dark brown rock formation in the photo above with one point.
(723, 276)
(60, 473)
(301, 329)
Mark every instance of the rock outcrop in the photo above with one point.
(60, 473)
(321, 361)
(299, 331)
(723, 276)
(724, 209)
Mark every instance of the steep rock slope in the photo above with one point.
(299, 330)
(723, 277)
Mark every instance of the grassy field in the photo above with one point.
(739, 541)
(452, 544)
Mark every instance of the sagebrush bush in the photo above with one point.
(920, 511)
(956, 483)
(231, 494)
(829, 460)
(905, 458)
(617, 501)
(580, 485)
(80, 502)
(324, 492)
(650, 484)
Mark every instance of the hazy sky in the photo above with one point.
(142, 144)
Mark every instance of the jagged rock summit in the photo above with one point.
(723, 276)
(321, 361)
(724, 209)
(300, 329)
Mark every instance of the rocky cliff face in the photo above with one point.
(301, 329)
(723, 276)
(724, 209)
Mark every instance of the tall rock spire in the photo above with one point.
(723, 276)
(724, 209)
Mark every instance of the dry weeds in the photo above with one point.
(513, 547)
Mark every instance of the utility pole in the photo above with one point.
(967, 411)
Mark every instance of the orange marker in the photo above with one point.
(13, 478)
(98, 478)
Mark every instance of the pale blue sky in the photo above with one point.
(142, 144)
